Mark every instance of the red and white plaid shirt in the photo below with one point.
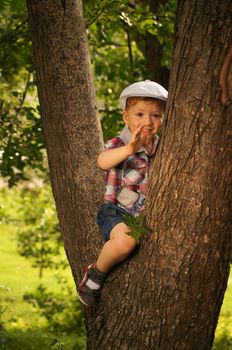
(126, 184)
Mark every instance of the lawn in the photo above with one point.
(18, 275)
(223, 336)
(25, 326)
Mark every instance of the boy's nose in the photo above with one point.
(147, 121)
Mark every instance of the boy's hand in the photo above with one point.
(139, 138)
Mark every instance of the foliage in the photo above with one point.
(136, 225)
(116, 60)
(45, 318)
(21, 136)
(21, 143)
(34, 339)
(62, 311)
(223, 338)
(165, 34)
(34, 214)
(6, 301)
(39, 238)
(117, 37)
(116, 32)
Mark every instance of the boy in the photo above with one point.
(126, 160)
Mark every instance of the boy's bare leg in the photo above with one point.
(116, 249)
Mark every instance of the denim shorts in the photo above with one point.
(108, 216)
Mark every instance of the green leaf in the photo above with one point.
(136, 225)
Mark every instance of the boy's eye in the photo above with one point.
(139, 114)
(156, 116)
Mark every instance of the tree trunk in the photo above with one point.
(151, 47)
(154, 51)
(169, 293)
(71, 126)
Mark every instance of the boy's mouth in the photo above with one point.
(147, 130)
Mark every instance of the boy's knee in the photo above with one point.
(125, 245)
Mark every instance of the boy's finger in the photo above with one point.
(138, 130)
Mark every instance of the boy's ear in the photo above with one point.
(125, 117)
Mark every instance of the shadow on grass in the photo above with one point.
(39, 338)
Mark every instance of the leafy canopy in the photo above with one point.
(117, 32)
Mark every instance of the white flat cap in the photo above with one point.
(146, 88)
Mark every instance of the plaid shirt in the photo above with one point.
(126, 184)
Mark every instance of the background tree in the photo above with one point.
(21, 138)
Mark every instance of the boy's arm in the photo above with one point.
(111, 158)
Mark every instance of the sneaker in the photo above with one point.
(88, 296)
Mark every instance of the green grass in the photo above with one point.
(223, 336)
(18, 275)
(25, 327)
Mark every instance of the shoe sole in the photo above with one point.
(82, 301)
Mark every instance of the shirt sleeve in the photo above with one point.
(114, 143)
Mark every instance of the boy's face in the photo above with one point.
(144, 113)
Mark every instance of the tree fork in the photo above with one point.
(169, 293)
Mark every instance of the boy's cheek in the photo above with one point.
(158, 126)
(156, 130)
(147, 136)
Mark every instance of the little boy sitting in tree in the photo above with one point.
(126, 160)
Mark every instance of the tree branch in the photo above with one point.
(223, 78)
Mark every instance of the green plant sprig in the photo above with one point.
(136, 225)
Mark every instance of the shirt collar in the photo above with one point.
(126, 134)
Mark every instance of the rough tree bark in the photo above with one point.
(192, 188)
(169, 293)
(69, 114)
